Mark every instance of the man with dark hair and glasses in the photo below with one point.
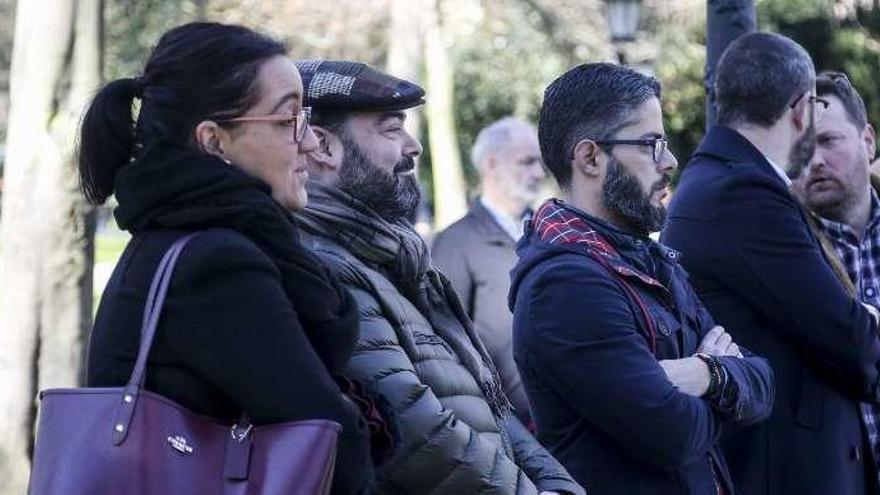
(748, 247)
(629, 379)
(840, 191)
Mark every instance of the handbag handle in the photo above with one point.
(154, 305)
(152, 314)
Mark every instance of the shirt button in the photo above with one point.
(869, 292)
(664, 328)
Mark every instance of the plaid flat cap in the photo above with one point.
(353, 86)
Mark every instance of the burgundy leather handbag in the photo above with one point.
(130, 441)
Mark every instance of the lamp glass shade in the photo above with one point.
(623, 19)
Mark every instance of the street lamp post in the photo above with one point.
(726, 20)
(623, 22)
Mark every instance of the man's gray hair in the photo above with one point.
(495, 136)
(758, 78)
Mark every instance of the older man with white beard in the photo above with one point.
(478, 251)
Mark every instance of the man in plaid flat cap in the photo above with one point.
(418, 355)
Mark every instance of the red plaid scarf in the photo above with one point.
(556, 225)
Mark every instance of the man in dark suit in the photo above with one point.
(761, 273)
(478, 251)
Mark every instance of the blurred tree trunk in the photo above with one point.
(449, 187)
(201, 7)
(405, 49)
(46, 228)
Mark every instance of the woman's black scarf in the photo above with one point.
(176, 188)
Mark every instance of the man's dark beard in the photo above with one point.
(392, 196)
(802, 152)
(623, 197)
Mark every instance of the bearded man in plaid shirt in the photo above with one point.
(840, 190)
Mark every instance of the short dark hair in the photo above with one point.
(331, 120)
(589, 101)
(758, 76)
(837, 84)
(196, 72)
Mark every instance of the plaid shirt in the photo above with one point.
(862, 262)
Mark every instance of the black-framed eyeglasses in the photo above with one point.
(298, 122)
(658, 145)
(836, 77)
(821, 103)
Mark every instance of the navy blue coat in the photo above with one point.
(601, 402)
(761, 273)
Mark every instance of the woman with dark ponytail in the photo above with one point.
(253, 322)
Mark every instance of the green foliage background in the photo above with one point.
(839, 35)
(505, 56)
(838, 38)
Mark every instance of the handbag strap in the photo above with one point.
(634, 297)
(153, 307)
(152, 314)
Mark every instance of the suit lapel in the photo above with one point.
(489, 229)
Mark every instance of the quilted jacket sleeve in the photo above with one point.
(538, 463)
(433, 450)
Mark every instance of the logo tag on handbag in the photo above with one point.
(179, 444)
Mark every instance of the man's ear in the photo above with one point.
(870, 140)
(801, 113)
(584, 159)
(211, 138)
(490, 163)
(328, 156)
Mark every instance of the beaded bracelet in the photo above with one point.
(714, 375)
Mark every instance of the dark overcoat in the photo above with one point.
(761, 273)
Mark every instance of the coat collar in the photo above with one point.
(487, 226)
(560, 224)
(729, 145)
(842, 230)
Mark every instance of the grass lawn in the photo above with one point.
(108, 248)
